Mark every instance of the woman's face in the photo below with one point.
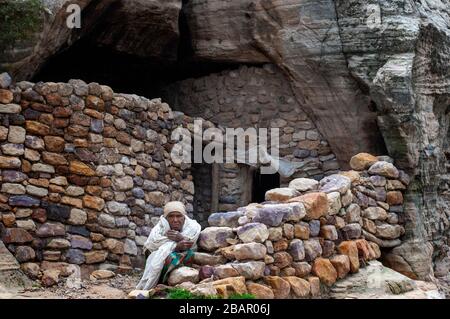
(176, 220)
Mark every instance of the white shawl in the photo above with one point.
(160, 247)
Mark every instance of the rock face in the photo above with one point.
(378, 282)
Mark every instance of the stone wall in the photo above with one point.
(84, 173)
(305, 237)
(258, 97)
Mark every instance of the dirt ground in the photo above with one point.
(117, 287)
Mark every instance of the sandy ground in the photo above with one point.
(114, 288)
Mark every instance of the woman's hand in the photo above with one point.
(184, 245)
(174, 235)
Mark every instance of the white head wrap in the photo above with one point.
(175, 206)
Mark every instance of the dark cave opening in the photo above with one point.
(262, 183)
(124, 73)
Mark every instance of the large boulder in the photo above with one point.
(260, 291)
(212, 238)
(304, 184)
(229, 219)
(252, 270)
(316, 204)
(362, 161)
(335, 183)
(384, 169)
(183, 274)
(253, 232)
(253, 251)
(281, 194)
(324, 269)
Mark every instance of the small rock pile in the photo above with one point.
(84, 174)
(307, 234)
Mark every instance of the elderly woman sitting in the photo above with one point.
(170, 244)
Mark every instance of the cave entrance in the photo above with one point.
(205, 177)
(262, 183)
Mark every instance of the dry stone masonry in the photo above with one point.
(304, 237)
(84, 173)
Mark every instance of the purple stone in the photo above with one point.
(314, 228)
(206, 272)
(362, 200)
(229, 219)
(351, 231)
(271, 215)
(138, 192)
(75, 256)
(328, 248)
(24, 201)
(85, 156)
(97, 126)
(297, 250)
(13, 176)
(78, 230)
(81, 242)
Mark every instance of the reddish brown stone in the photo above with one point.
(46, 119)
(94, 190)
(56, 189)
(93, 113)
(114, 233)
(93, 202)
(350, 249)
(41, 182)
(81, 168)
(54, 144)
(123, 138)
(54, 158)
(282, 259)
(280, 245)
(109, 131)
(6, 96)
(62, 112)
(26, 166)
(41, 107)
(37, 128)
(78, 130)
(96, 256)
(62, 170)
(95, 237)
(76, 202)
(95, 103)
(316, 204)
(394, 198)
(39, 215)
(260, 291)
(53, 99)
(61, 123)
(9, 220)
(16, 235)
(78, 180)
(342, 265)
(281, 288)
(324, 269)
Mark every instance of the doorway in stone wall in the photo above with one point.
(206, 193)
(262, 183)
